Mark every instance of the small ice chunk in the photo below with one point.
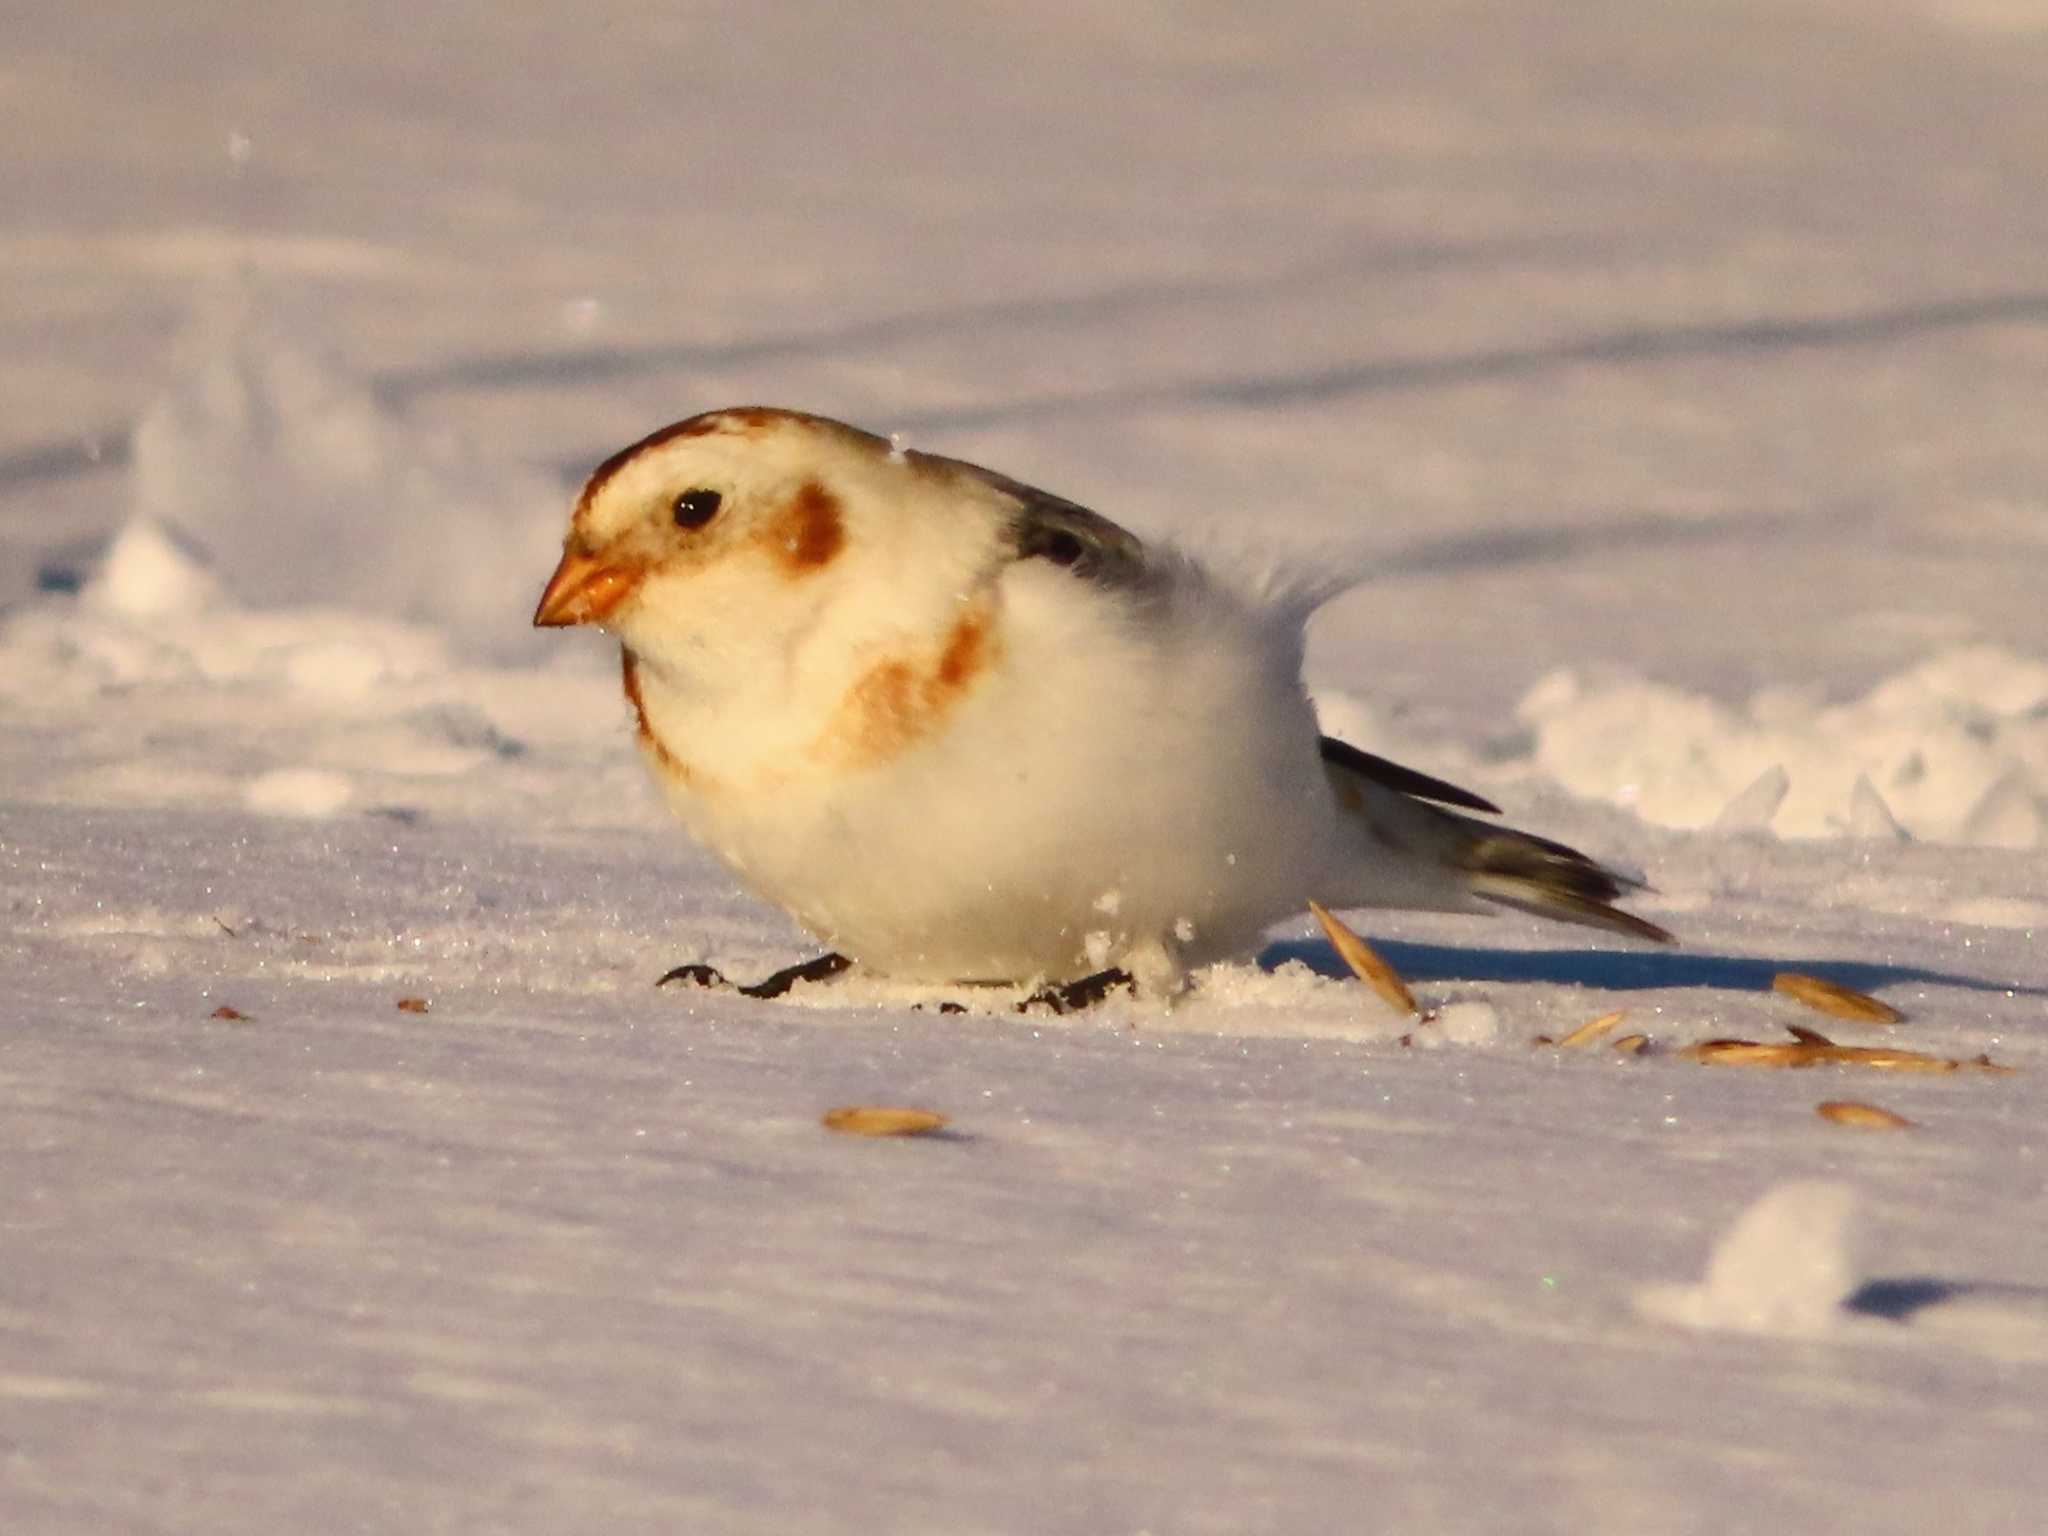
(1869, 816)
(2007, 816)
(152, 571)
(1785, 1266)
(311, 793)
(1752, 810)
(1468, 1023)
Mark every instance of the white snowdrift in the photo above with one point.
(1954, 749)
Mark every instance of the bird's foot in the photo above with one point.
(697, 976)
(822, 968)
(1073, 996)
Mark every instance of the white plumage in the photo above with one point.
(966, 731)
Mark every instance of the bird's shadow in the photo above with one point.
(1899, 1298)
(1620, 970)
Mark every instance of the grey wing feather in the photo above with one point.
(1407, 781)
(1051, 528)
(1086, 543)
(1533, 874)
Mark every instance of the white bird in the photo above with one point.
(965, 731)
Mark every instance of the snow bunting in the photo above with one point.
(965, 731)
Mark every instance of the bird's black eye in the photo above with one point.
(696, 508)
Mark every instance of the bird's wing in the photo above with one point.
(1043, 526)
(1407, 781)
(1046, 527)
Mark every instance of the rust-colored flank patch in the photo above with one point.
(902, 700)
(810, 532)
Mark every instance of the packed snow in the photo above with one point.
(1675, 376)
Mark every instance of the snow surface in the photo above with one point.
(1680, 369)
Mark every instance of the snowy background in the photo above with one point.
(1684, 369)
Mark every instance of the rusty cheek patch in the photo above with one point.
(902, 701)
(809, 533)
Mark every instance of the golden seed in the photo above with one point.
(224, 1011)
(1593, 1029)
(1888, 1060)
(1834, 999)
(1750, 1053)
(1812, 1050)
(1365, 963)
(412, 1005)
(1632, 1045)
(1868, 1116)
(881, 1120)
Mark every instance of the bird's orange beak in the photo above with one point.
(584, 590)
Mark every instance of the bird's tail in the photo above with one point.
(1403, 810)
(1533, 874)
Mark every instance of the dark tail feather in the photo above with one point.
(1535, 875)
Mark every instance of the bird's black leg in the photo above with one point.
(820, 969)
(1073, 996)
(774, 986)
